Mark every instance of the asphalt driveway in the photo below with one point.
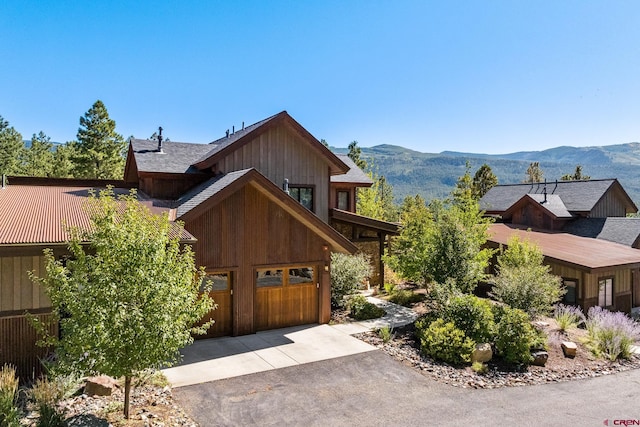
(372, 389)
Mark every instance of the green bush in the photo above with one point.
(389, 288)
(405, 297)
(568, 316)
(514, 335)
(386, 334)
(9, 413)
(443, 341)
(361, 309)
(472, 315)
(611, 334)
(347, 272)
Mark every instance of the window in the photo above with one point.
(343, 200)
(304, 195)
(285, 276)
(605, 292)
(219, 281)
(570, 285)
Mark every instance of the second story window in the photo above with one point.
(304, 195)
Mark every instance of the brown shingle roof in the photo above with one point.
(580, 251)
(35, 214)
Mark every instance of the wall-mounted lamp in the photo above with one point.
(325, 247)
(326, 267)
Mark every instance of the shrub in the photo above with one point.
(405, 297)
(386, 334)
(472, 315)
(611, 334)
(347, 272)
(46, 395)
(443, 341)
(361, 309)
(514, 335)
(389, 288)
(479, 368)
(524, 282)
(568, 316)
(9, 413)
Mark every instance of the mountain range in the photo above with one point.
(433, 175)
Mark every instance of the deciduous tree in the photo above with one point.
(129, 292)
(99, 151)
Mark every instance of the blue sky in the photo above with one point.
(476, 76)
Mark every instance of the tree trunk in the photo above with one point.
(127, 392)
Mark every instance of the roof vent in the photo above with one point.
(233, 129)
(242, 125)
(227, 133)
(4, 181)
(160, 139)
(285, 185)
(544, 191)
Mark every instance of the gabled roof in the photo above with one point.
(625, 231)
(552, 204)
(37, 214)
(214, 190)
(577, 196)
(176, 157)
(223, 146)
(354, 176)
(579, 251)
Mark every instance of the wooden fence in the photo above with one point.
(18, 345)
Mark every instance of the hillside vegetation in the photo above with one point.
(434, 175)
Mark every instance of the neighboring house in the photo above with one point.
(582, 231)
(32, 212)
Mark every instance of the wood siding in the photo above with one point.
(169, 186)
(278, 154)
(17, 290)
(18, 345)
(246, 231)
(611, 204)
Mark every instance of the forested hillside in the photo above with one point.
(434, 175)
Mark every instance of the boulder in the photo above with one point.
(569, 349)
(482, 353)
(101, 385)
(540, 357)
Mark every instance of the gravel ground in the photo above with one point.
(403, 347)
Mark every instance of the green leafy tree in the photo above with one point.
(377, 201)
(38, 158)
(483, 180)
(62, 164)
(411, 248)
(577, 175)
(99, 151)
(348, 272)
(534, 173)
(523, 281)
(11, 149)
(129, 292)
(324, 142)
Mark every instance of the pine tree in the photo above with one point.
(534, 173)
(38, 158)
(99, 151)
(483, 180)
(62, 164)
(577, 175)
(11, 149)
(355, 154)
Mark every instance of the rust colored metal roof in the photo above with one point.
(37, 214)
(580, 251)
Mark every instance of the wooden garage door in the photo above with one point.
(286, 296)
(222, 294)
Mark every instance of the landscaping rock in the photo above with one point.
(482, 353)
(102, 385)
(540, 357)
(569, 349)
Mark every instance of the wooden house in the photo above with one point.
(582, 230)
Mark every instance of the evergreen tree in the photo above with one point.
(62, 164)
(11, 149)
(99, 151)
(483, 180)
(38, 158)
(355, 154)
(577, 175)
(534, 173)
